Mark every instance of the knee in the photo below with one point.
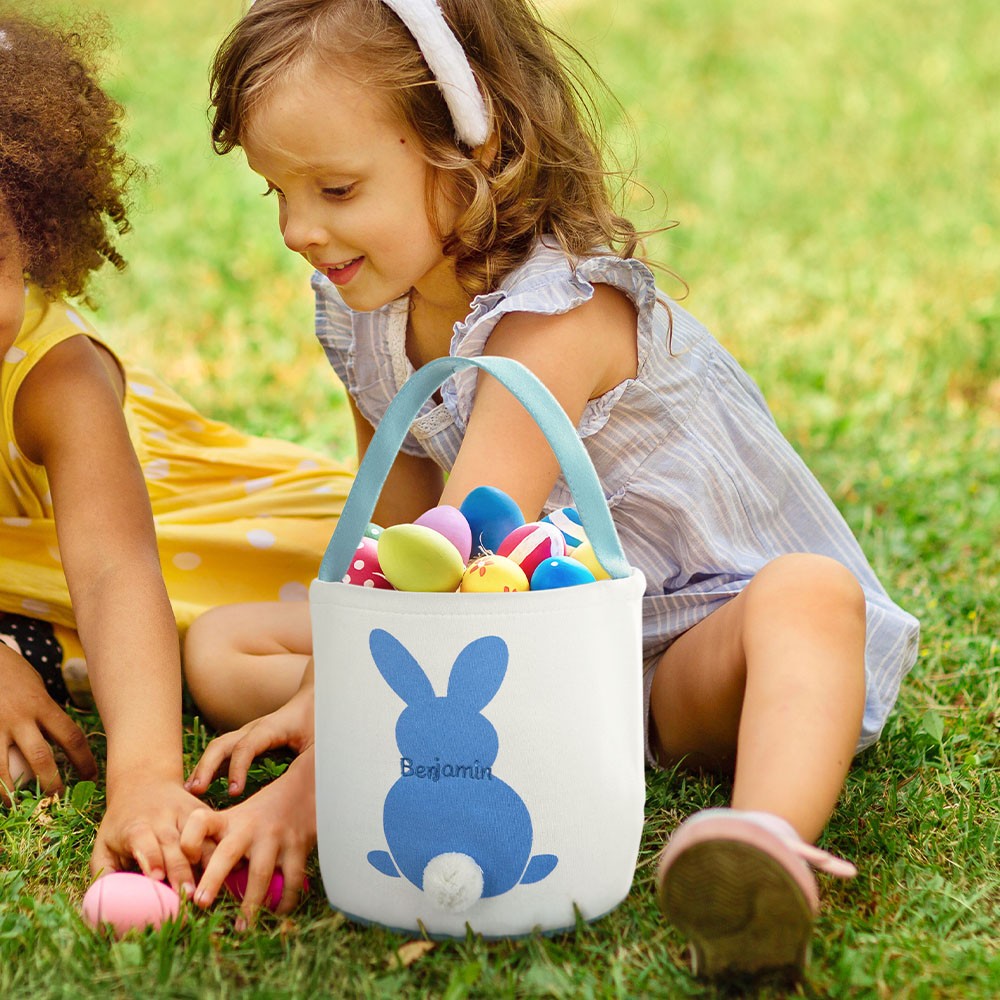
(207, 643)
(814, 585)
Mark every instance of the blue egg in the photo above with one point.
(560, 571)
(567, 520)
(492, 516)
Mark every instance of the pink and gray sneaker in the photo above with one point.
(739, 885)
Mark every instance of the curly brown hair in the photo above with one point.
(63, 175)
(542, 171)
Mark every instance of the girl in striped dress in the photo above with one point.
(473, 218)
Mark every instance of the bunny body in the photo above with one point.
(447, 801)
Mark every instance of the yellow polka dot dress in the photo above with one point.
(238, 518)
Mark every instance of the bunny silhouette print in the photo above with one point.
(454, 829)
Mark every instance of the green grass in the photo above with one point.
(833, 170)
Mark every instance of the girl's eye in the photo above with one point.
(271, 189)
(340, 193)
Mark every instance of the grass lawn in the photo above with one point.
(833, 169)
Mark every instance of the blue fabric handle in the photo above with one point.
(576, 465)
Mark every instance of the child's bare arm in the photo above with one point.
(68, 417)
(579, 356)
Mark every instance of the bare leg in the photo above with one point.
(242, 661)
(773, 683)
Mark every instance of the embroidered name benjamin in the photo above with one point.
(437, 770)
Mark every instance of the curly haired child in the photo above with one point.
(106, 475)
(430, 161)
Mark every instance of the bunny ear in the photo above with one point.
(478, 672)
(400, 670)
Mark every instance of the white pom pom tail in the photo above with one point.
(453, 881)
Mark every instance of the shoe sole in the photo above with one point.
(745, 909)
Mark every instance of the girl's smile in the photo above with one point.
(352, 189)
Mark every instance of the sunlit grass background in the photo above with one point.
(833, 168)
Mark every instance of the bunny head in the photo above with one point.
(451, 726)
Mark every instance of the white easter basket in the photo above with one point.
(479, 757)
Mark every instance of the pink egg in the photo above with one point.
(493, 574)
(236, 883)
(365, 570)
(450, 522)
(531, 544)
(129, 901)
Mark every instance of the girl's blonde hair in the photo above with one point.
(542, 170)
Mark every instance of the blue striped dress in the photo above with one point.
(703, 488)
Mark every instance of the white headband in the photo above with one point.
(446, 58)
(449, 64)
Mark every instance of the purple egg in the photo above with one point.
(450, 522)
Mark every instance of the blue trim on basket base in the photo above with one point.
(410, 932)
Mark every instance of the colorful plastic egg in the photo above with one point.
(531, 543)
(492, 516)
(365, 570)
(567, 520)
(415, 557)
(236, 883)
(560, 571)
(373, 530)
(493, 574)
(585, 553)
(20, 769)
(129, 901)
(450, 522)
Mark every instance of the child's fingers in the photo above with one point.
(243, 755)
(67, 734)
(145, 848)
(197, 831)
(229, 852)
(262, 862)
(293, 869)
(38, 756)
(210, 764)
(178, 868)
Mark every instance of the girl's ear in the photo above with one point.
(401, 671)
(478, 673)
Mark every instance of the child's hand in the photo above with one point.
(290, 726)
(27, 716)
(143, 822)
(274, 828)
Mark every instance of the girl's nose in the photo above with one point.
(300, 232)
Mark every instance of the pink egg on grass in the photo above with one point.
(365, 570)
(129, 901)
(532, 543)
(236, 883)
(450, 522)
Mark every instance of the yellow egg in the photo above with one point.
(413, 557)
(493, 574)
(585, 553)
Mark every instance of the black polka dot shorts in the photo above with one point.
(35, 640)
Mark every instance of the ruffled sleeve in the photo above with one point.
(548, 284)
